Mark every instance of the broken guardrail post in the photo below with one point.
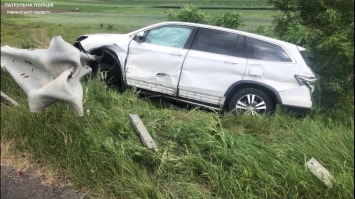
(142, 132)
(320, 172)
(9, 99)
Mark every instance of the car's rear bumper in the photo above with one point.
(297, 109)
(299, 96)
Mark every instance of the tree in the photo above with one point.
(191, 13)
(326, 29)
(188, 13)
(228, 20)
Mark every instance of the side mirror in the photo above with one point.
(139, 37)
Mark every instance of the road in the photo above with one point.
(25, 186)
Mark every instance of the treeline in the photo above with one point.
(326, 29)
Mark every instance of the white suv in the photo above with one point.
(205, 65)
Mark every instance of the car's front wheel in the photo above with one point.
(108, 74)
(250, 101)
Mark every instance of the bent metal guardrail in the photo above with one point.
(49, 75)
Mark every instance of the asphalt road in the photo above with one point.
(15, 186)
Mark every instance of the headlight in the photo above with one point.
(306, 80)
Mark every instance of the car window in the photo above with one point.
(240, 48)
(257, 49)
(215, 41)
(173, 36)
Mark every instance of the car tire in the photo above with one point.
(109, 74)
(252, 101)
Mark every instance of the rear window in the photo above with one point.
(215, 41)
(261, 50)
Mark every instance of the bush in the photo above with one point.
(326, 29)
(191, 13)
(188, 13)
(110, 27)
(228, 20)
(262, 30)
(26, 44)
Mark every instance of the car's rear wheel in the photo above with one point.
(250, 101)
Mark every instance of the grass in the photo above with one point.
(123, 15)
(71, 25)
(217, 7)
(201, 154)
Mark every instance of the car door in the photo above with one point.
(270, 64)
(216, 61)
(155, 64)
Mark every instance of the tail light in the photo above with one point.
(307, 81)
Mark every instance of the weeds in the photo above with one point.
(202, 154)
(26, 44)
(109, 26)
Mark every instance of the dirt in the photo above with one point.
(24, 177)
(16, 185)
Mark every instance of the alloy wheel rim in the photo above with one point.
(107, 77)
(251, 104)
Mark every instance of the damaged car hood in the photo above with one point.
(92, 41)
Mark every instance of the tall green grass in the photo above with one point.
(202, 154)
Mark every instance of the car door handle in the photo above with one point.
(161, 74)
(230, 62)
(175, 53)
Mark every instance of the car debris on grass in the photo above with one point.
(142, 132)
(8, 99)
(320, 172)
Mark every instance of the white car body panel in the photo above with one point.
(281, 75)
(273, 74)
(207, 76)
(201, 77)
(298, 96)
(121, 42)
(154, 67)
